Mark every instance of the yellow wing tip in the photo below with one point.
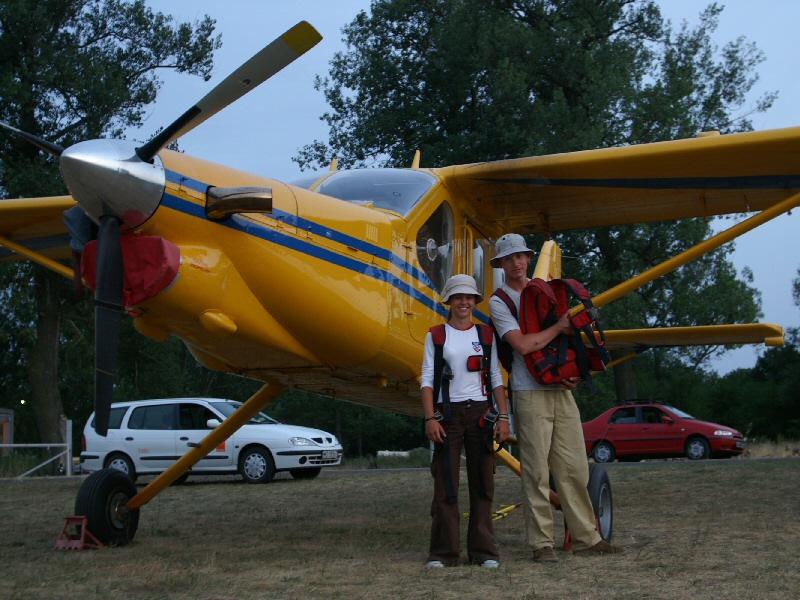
(302, 37)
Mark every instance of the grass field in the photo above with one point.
(691, 530)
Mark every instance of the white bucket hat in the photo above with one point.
(508, 244)
(460, 284)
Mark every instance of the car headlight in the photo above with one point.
(301, 441)
(723, 433)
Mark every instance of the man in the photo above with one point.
(548, 422)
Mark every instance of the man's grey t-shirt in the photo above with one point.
(504, 321)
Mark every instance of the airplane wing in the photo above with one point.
(703, 335)
(697, 177)
(35, 223)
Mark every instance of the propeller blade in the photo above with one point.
(41, 143)
(107, 317)
(268, 61)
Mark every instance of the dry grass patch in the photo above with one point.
(717, 528)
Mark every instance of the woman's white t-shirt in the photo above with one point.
(458, 346)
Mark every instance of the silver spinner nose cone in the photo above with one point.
(107, 178)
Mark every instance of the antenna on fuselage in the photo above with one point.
(415, 161)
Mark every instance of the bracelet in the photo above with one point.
(502, 417)
(436, 416)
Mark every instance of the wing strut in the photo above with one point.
(692, 253)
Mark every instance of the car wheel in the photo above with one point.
(122, 463)
(256, 465)
(603, 452)
(599, 489)
(697, 448)
(182, 479)
(101, 499)
(305, 473)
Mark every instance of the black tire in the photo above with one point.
(697, 448)
(256, 465)
(305, 473)
(603, 452)
(599, 488)
(101, 499)
(182, 479)
(122, 463)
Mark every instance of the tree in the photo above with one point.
(73, 70)
(476, 80)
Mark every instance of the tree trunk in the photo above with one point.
(625, 381)
(43, 360)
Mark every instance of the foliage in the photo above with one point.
(72, 70)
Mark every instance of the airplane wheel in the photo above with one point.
(602, 501)
(101, 499)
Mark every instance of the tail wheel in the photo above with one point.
(101, 499)
(602, 501)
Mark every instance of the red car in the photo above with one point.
(648, 429)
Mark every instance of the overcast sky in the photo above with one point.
(262, 131)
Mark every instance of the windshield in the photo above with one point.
(394, 189)
(680, 413)
(227, 408)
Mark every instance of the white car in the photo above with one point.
(147, 436)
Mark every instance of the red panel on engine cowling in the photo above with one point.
(151, 264)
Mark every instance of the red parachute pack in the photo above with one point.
(542, 303)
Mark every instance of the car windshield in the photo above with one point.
(680, 413)
(394, 189)
(227, 408)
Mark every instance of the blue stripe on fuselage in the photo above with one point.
(249, 227)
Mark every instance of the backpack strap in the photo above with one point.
(503, 295)
(505, 353)
(486, 336)
(442, 382)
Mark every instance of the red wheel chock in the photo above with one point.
(75, 535)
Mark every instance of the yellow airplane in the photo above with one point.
(330, 284)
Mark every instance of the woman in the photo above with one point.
(453, 419)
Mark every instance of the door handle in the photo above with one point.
(129, 439)
(184, 438)
(193, 444)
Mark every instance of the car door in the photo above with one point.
(192, 428)
(150, 436)
(623, 431)
(658, 437)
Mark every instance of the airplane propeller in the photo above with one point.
(119, 187)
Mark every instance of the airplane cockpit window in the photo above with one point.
(393, 189)
(435, 246)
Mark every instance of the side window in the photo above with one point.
(651, 415)
(435, 246)
(624, 416)
(479, 263)
(194, 416)
(158, 417)
(115, 418)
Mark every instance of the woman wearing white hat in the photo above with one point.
(456, 370)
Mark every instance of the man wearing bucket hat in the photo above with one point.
(547, 419)
(453, 419)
